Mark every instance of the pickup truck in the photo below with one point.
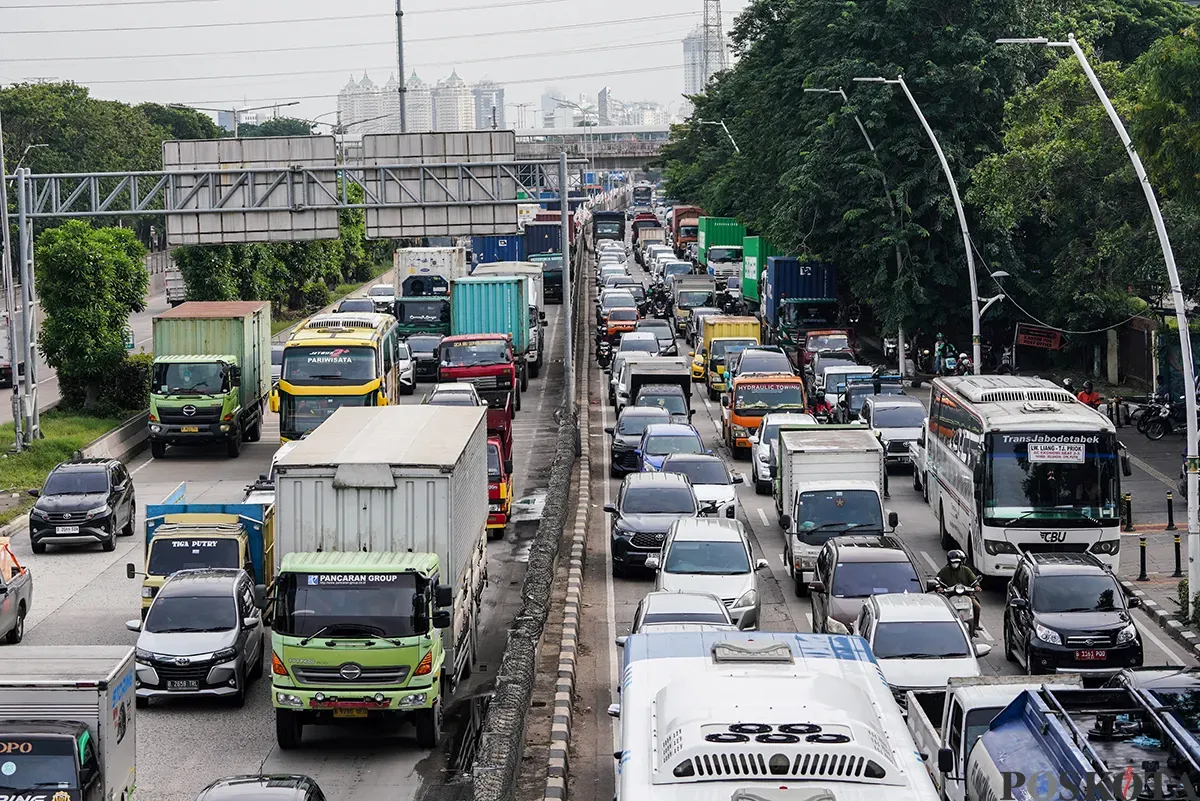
(963, 712)
(16, 594)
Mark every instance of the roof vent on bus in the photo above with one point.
(340, 322)
(1040, 407)
(730, 651)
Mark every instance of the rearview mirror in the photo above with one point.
(738, 478)
(835, 627)
(982, 649)
(1126, 466)
(931, 585)
(945, 760)
(1017, 603)
(260, 596)
(610, 508)
(130, 570)
(725, 401)
(34, 493)
(133, 625)
(762, 564)
(610, 430)
(893, 519)
(816, 586)
(621, 641)
(785, 521)
(445, 596)
(250, 622)
(753, 439)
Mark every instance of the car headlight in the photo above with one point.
(99, 511)
(764, 457)
(1127, 634)
(38, 513)
(142, 656)
(749, 598)
(225, 654)
(1046, 635)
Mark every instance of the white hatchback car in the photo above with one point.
(919, 641)
(458, 394)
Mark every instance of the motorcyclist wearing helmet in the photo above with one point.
(956, 571)
(820, 405)
(1089, 396)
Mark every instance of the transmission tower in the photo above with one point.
(714, 40)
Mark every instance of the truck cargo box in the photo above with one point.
(499, 247)
(492, 304)
(428, 271)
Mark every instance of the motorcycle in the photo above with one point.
(949, 365)
(960, 597)
(1160, 420)
(823, 417)
(603, 350)
(964, 367)
(1006, 361)
(658, 308)
(889, 349)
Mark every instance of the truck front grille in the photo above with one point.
(190, 415)
(394, 674)
(1053, 547)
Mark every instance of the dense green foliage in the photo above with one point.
(284, 126)
(1050, 195)
(89, 280)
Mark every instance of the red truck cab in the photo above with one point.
(485, 360)
(825, 339)
(500, 489)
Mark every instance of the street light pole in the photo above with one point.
(887, 192)
(568, 299)
(402, 88)
(1185, 340)
(10, 295)
(958, 208)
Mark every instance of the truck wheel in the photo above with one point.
(254, 433)
(18, 630)
(799, 586)
(524, 378)
(289, 729)
(233, 445)
(516, 402)
(762, 487)
(429, 725)
(158, 450)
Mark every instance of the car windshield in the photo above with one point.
(835, 359)
(381, 291)
(700, 471)
(623, 316)
(818, 342)
(636, 423)
(707, 558)
(424, 344)
(197, 378)
(47, 763)
(618, 300)
(1056, 594)
(762, 397)
(861, 579)
(299, 414)
(348, 605)
(451, 399)
(658, 500)
(607, 228)
(660, 328)
(925, 639)
(1050, 479)
(724, 347)
(904, 416)
(677, 268)
(670, 402)
(662, 444)
(639, 345)
(423, 311)
(92, 481)
(171, 555)
(180, 613)
(689, 230)
(333, 364)
(637, 290)
(827, 513)
(356, 305)
(474, 354)
(858, 395)
(669, 618)
(836, 382)
(763, 363)
(693, 297)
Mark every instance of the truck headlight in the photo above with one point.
(287, 699)
(1046, 635)
(413, 699)
(147, 592)
(1127, 634)
(739, 431)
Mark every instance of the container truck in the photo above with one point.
(690, 292)
(186, 536)
(685, 228)
(714, 715)
(176, 287)
(719, 246)
(648, 237)
(828, 480)
(424, 314)
(211, 374)
(552, 275)
(724, 336)
(492, 304)
(638, 226)
(1082, 744)
(498, 247)
(660, 371)
(796, 296)
(963, 711)
(536, 354)
(68, 728)
(608, 225)
(755, 252)
(380, 564)
(543, 237)
(419, 272)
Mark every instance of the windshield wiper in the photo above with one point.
(916, 655)
(346, 626)
(830, 524)
(325, 376)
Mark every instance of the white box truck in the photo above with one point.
(380, 561)
(68, 723)
(428, 271)
(828, 481)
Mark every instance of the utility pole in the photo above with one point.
(565, 216)
(400, 59)
(9, 295)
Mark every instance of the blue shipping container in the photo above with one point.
(791, 278)
(492, 304)
(543, 238)
(501, 247)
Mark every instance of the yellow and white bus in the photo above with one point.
(335, 360)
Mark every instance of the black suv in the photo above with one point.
(86, 500)
(263, 787)
(647, 505)
(627, 436)
(1067, 612)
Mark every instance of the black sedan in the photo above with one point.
(425, 355)
(627, 434)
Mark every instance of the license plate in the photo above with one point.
(349, 713)
(66, 529)
(190, 429)
(1091, 656)
(180, 685)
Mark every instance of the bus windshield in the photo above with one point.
(329, 364)
(1067, 478)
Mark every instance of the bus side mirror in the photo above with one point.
(275, 401)
(1126, 466)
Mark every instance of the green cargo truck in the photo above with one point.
(755, 252)
(719, 246)
(211, 374)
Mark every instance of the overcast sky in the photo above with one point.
(252, 52)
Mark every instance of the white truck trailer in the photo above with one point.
(68, 723)
(381, 559)
(828, 481)
(428, 271)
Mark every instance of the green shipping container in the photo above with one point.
(493, 304)
(715, 232)
(241, 329)
(757, 250)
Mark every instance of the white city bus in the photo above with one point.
(714, 716)
(1018, 464)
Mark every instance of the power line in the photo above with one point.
(291, 73)
(110, 3)
(388, 43)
